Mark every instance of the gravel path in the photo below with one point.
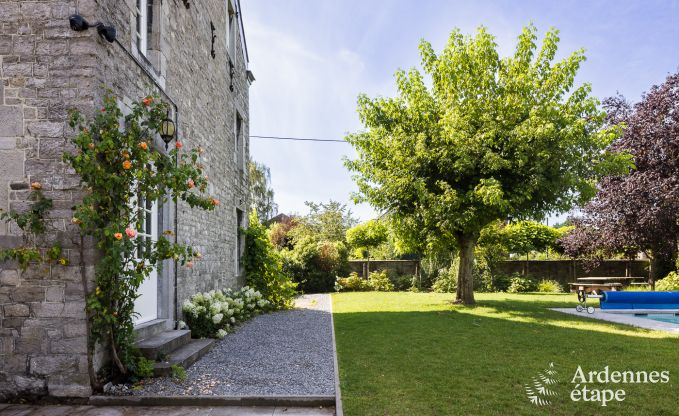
(281, 353)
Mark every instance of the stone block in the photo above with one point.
(24, 345)
(45, 128)
(11, 121)
(5, 45)
(8, 143)
(75, 329)
(74, 309)
(76, 345)
(9, 12)
(30, 386)
(6, 344)
(10, 69)
(47, 310)
(28, 294)
(52, 364)
(13, 323)
(54, 294)
(35, 10)
(15, 363)
(69, 385)
(9, 278)
(16, 310)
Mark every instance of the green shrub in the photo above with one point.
(549, 286)
(143, 368)
(263, 267)
(315, 264)
(178, 373)
(353, 283)
(214, 313)
(668, 283)
(446, 282)
(379, 282)
(404, 282)
(520, 284)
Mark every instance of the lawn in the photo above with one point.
(418, 354)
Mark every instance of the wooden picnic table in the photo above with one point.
(609, 278)
(589, 287)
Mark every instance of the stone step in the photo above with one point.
(163, 343)
(184, 356)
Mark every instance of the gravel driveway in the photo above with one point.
(281, 353)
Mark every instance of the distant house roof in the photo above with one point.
(280, 218)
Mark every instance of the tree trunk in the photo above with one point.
(465, 278)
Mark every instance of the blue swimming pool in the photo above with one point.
(662, 317)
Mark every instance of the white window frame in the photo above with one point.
(230, 30)
(142, 26)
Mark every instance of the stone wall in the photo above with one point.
(199, 85)
(394, 267)
(46, 69)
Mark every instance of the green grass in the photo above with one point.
(417, 354)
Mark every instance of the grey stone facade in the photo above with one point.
(46, 69)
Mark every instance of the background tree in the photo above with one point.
(325, 221)
(639, 211)
(492, 139)
(366, 236)
(261, 192)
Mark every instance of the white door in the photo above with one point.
(146, 305)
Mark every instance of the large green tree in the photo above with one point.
(491, 139)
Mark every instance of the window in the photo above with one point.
(142, 25)
(239, 159)
(230, 29)
(239, 241)
(145, 25)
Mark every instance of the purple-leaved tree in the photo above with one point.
(640, 211)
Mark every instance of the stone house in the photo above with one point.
(191, 54)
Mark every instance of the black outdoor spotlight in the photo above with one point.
(167, 130)
(79, 24)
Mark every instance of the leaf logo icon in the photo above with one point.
(538, 391)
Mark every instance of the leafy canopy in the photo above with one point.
(367, 235)
(492, 138)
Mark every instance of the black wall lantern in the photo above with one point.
(79, 24)
(167, 130)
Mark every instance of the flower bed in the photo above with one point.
(213, 314)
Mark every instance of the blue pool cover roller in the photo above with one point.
(639, 300)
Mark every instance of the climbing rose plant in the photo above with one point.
(120, 170)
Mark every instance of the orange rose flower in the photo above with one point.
(215, 201)
(144, 146)
(147, 101)
(126, 154)
(91, 146)
(118, 236)
(36, 185)
(178, 145)
(190, 183)
(127, 165)
(131, 232)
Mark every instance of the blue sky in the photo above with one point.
(311, 59)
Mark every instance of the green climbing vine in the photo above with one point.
(120, 171)
(33, 226)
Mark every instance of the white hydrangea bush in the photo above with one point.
(213, 314)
